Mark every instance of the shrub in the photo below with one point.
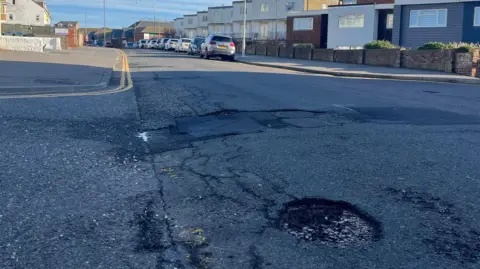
(462, 47)
(379, 44)
(433, 46)
(303, 45)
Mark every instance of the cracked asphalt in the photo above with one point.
(192, 168)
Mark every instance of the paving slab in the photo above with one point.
(74, 67)
(356, 70)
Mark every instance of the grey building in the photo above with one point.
(417, 22)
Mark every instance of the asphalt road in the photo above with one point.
(208, 164)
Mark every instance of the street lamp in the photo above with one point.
(104, 24)
(244, 43)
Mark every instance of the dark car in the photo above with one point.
(195, 45)
(109, 45)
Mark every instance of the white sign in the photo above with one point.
(61, 31)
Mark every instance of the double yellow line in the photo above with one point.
(125, 85)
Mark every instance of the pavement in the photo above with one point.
(355, 70)
(81, 67)
(212, 164)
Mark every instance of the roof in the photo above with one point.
(204, 11)
(220, 7)
(150, 23)
(66, 23)
(152, 29)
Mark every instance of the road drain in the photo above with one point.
(333, 223)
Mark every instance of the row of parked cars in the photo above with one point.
(212, 46)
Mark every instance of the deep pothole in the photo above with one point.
(333, 223)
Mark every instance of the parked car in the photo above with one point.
(183, 44)
(151, 43)
(161, 45)
(218, 46)
(171, 44)
(142, 44)
(194, 47)
(129, 45)
(109, 45)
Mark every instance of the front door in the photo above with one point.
(323, 31)
(385, 24)
(263, 31)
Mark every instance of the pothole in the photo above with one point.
(333, 223)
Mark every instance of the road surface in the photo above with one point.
(210, 164)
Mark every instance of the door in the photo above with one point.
(263, 31)
(385, 24)
(323, 31)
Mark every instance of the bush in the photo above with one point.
(303, 45)
(379, 44)
(433, 46)
(463, 47)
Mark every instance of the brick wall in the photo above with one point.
(349, 56)
(325, 55)
(261, 50)
(286, 52)
(439, 60)
(272, 50)
(466, 63)
(303, 53)
(383, 57)
(250, 49)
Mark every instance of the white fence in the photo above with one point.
(37, 44)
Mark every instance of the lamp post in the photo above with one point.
(244, 43)
(104, 24)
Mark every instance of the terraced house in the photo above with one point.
(26, 12)
(422, 21)
(190, 25)
(220, 20)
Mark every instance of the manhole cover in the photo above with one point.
(334, 223)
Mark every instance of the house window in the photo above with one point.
(190, 21)
(38, 18)
(10, 16)
(349, 2)
(181, 23)
(204, 18)
(13, 2)
(303, 24)
(428, 18)
(389, 21)
(242, 10)
(476, 17)
(351, 21)
(264, 7)
(217, 14)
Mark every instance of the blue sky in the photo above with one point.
(122, 13)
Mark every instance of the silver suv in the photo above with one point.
(218, 46)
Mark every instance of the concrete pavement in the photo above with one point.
(355, 70)
(69, 68)
(208, 164)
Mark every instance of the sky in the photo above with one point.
(122, 13)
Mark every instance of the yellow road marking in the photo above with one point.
(126, 76)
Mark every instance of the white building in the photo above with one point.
(269, 17)
(178, 24)
(28, 12)
(352, 26)
(202, 23)
(190, 25)
(237, 19)
(220, 20)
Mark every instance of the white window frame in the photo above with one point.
(362, 16)
(216, 13)
(264, 7)
(190, 21)
(475, 14)
(416, 25)
(299, 24)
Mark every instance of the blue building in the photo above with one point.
(417, 22)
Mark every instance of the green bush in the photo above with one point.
(433, 46)
(379, 44)
(463, 47)
(303, 45)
